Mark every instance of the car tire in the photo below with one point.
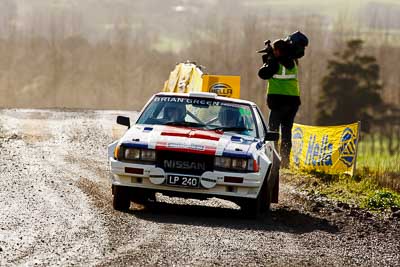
(275, 191)
(253, 208)
(275, 176)
(121, 200)
(142, 198)
(265, 200)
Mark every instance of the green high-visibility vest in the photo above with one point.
(284, 82)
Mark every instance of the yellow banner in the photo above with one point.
(331, 149)
(222, 85)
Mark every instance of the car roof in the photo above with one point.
(208, 95)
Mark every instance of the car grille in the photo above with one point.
(185, 163)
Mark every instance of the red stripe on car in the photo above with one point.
(208, 150)
(191, 133)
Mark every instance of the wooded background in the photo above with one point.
(116, 54)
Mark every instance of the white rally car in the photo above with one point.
(196, 145)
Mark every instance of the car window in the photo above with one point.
(208, 114)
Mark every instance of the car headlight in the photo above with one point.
(222, 162)
(139, 154)
(148, 154)
(234, 164)
(132, 153)
(240, 164)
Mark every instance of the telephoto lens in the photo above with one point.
(269, 68)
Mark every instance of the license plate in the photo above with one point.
(185, 181)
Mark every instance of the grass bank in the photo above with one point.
(379, 165)
(363, 191)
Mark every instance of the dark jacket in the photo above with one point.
(277, 101)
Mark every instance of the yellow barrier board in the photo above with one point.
(188, 77)
(331, 149)
(196, 82)
(171, 84)
(222, 85)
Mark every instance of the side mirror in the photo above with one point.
(271, 136)
(124, 121)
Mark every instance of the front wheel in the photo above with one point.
(255, 207)
(121, 200)
(140, 197)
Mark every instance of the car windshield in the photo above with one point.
(203, 113)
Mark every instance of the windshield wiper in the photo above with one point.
(184, 123)
(234, 129)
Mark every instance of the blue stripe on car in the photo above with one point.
(242, 140)
(237, 154)
(135, 145)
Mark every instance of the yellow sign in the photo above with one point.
(228, 86)
(331, 149)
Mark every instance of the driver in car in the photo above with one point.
(175, 112)
(231, 119)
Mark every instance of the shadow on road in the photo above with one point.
(279, 219)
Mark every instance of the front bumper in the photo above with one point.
(212, 183)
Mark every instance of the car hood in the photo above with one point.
(190, 140)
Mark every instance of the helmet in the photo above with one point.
(175, 111)
(229, 117)
(297, 42)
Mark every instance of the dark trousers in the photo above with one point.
(283, 117)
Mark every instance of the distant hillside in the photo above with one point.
(117, 53)
(95, 18)
(384, 16)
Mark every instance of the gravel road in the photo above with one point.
(55, 203)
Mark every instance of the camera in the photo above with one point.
(294, 45)
(291, 49)
(267, 47)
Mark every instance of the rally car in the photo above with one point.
(196, 145)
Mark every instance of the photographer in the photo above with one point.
(283, 93)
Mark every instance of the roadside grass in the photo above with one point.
(378, 164)
(361, 191)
